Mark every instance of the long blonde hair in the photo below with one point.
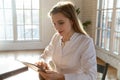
(67, 8)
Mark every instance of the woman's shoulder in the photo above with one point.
(85, 38)
(56, 36)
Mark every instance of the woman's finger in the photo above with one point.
(44, 75)
(49, 71)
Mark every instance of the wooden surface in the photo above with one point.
(112, 72)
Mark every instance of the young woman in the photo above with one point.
(71, 49)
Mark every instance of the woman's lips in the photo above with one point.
(60, 32)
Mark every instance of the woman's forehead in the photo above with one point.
(58, 16)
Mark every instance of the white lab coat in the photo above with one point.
(76, 60)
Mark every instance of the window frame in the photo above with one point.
(14, 24)
(112, 32)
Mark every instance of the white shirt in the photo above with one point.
(76, 60)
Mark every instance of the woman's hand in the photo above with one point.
(43, 65)
(51, 75)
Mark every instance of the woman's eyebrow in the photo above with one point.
(60, 20)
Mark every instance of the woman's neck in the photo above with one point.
(67, 37)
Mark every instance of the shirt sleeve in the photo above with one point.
(88, 70)
(50, 48)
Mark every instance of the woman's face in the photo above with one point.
(62, 24)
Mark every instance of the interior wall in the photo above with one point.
(89, 8)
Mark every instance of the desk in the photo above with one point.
(27, 75)
(14, 70)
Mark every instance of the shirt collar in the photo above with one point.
(72, 37)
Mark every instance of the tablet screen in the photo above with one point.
(33, 66)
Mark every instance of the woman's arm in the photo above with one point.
(50, 48)
(52, 75)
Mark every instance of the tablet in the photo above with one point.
(33, 66)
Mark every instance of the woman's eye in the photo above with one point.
(61, 23)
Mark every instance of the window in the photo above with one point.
(6, 25)
(19, 20)
(108, 25)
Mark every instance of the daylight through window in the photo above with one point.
(108, 25)
(19, 20)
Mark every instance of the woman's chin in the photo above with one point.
(61, 34)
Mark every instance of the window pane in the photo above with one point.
(109, 19)
(105, 26)
(20, 17)
(1, 3)
(98, 36)
(8, 17)
(35, 32)
(19, 4)
(35, 16)
(99, 4)
(118, 3)
(104, 3)
(6, 32)
(7, 3)
(107, 40)
(1, 16)
(99, 18)
(27, 16)
(110, 3)
(30, 18)
(35, 4)
(9, 32)
(27, 4)
(117, 21)
(102, 39)
(20, 30)
(117, 43)
(28, 32)
(2, 32)
(104, 19)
